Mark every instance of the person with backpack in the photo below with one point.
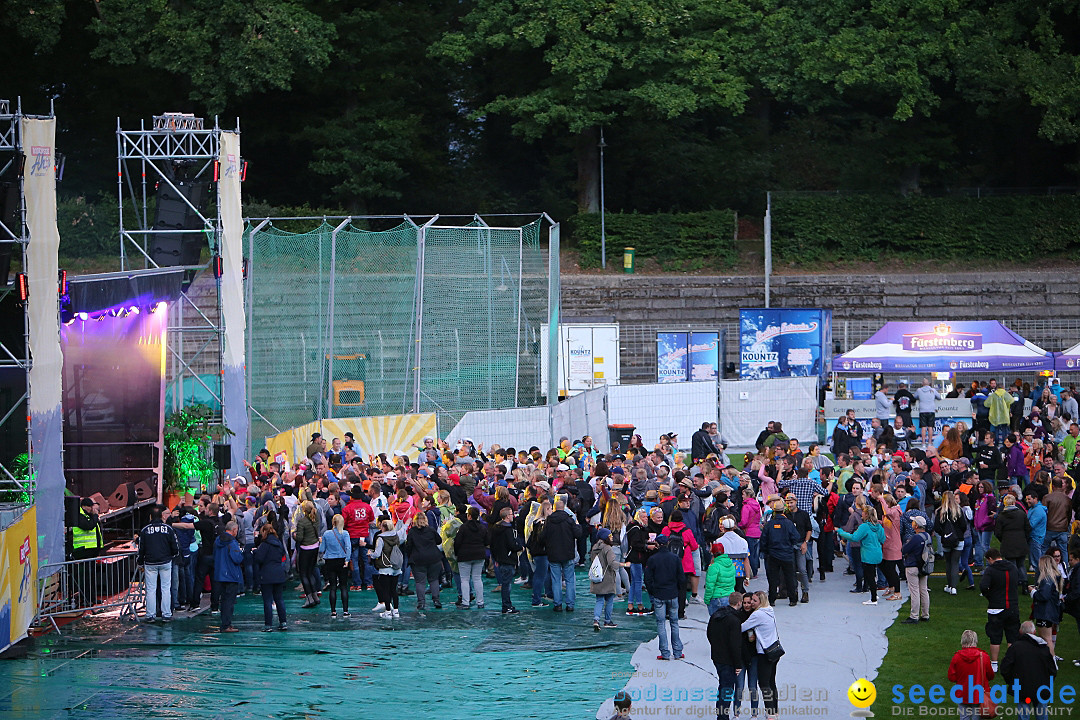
(561, 532)
(999, 587)
(603, 566)
(918, 564)
(270, 564)
(388, 561)
(950, 528)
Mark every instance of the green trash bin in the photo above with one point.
(628, 260)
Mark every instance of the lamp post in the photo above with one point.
(603, 234)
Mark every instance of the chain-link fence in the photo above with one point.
(419, 317)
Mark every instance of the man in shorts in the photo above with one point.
(927, 397)
(999, 585)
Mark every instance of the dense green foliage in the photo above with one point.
(454, 106)
(813, 228)
(683, 241)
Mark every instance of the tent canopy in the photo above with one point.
(1068, 360)
(970, 346)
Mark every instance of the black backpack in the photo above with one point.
(951, 532)
(676, 545)
(710, 524)
(926, 562)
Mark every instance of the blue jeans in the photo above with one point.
(667, 616)
(717, 603)
(153, 576)
(541, 576)
(273, 594)
(965, 563)
(248, 567)
(359, 559)
(1032, 711)
(1000, 433)
(504, 575)
(560, 572)
(525, 570)
(185, 581)
(725, 691)
(747, 676)
(1037, 545)
(1061, 539)
(637, 577)
(983, 538)
(855, 558)
(754, 545)
(604, 604)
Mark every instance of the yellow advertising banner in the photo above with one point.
(390, 434)
(18, 578)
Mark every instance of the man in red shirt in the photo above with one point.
(358, 520)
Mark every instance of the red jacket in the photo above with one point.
(971, 666)
(358, 518)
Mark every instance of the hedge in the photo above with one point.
(809, 229)
(683, 241)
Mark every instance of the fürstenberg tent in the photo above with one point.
(1068, 360)
(969, 346)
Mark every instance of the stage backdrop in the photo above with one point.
(390, 434)
(113, 385)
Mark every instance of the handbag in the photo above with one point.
(774, 652)
(988, 708)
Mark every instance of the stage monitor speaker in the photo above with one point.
(123, 497)
(71, 510)
(222, 456)
(144, 491)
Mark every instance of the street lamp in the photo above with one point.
(603, 234)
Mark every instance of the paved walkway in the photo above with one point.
(830, 642)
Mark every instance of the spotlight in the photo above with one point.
(133, 310)
(160, 306)
(83, 316)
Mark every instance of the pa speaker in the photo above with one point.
(71, 510)
(173, 213)
(124, 496)
(144, 490)
(222, 456)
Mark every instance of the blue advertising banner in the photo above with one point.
(704, 355)
(672, 357)
(784, 342)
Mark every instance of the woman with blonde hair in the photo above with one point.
(615, 521)
(306, 536)
(766, 638)
(1046, 600)
(425, 559)
(336, 549)
(950, 524)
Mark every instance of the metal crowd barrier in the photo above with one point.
(90, 586)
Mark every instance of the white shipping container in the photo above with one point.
(588, 357)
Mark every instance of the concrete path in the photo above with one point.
(830, 642)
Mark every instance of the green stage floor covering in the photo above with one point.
(448, 663)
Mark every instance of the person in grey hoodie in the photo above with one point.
(763, 622)
(883, 405)
(927, 396)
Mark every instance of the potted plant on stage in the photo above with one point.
(190, 434)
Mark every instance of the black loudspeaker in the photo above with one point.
(144, 491)
(222, 456)
(71, 510)
(123, 497)
(179, 248)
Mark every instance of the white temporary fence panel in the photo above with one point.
(656, 409)
(582, 414)
(519, 428)
(746, 406)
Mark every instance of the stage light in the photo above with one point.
(133, 310)
(83, 316)
(69, 322)
(161, 306)
(23, 286)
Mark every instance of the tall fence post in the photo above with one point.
(768, 245)
(554, 316)
(330, 303)
(421, 243)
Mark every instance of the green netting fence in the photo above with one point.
(349, 321)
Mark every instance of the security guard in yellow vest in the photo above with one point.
(86, 542)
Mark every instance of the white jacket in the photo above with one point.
(763, 622)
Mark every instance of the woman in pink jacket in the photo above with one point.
(890, 549)
(750, 524)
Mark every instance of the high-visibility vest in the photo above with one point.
(85, 539)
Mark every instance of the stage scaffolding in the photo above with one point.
(195, 337)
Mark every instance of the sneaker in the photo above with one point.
(379, 608)
(610, 624)
(805, 597)
(346, 614)
(354, 588)
(661, 657)
(396, 612)
(149, 619)
(596, 626)
(511, 611)
(924, 619)
(386, 614)
(569, 608)
(268, 628)
(520, 581)
(283, 626)
(539, 604)
(869, 602)
(910, 621)
(993, 665)
(166, 619)
(438, 605)
(230, 629)
(952, 591)
(333, 613)
(557, 607)
(479, 606)
(695, 600)
(631, 612)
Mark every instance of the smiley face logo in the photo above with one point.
(862, 693)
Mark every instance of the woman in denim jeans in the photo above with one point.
(637, 539)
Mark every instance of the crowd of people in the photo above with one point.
(654, 529)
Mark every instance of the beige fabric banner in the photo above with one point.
(234, 320)
(39, 187)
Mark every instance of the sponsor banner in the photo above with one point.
(18, 578)
(784, 342)
(672, 361)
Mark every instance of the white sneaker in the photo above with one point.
(386, 614)
(869, 602)
(952, 591)
(519, 581)
(696, 601)
(379, 608)
(396, 613)
(993, 665)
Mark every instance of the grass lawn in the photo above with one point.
(920, 654)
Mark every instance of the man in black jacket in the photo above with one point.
(157, 547)
(504, 549)
(999, 584)
(701, 444)
(1030, 662)
(725, 641)
(662, 577)
(561, 531)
